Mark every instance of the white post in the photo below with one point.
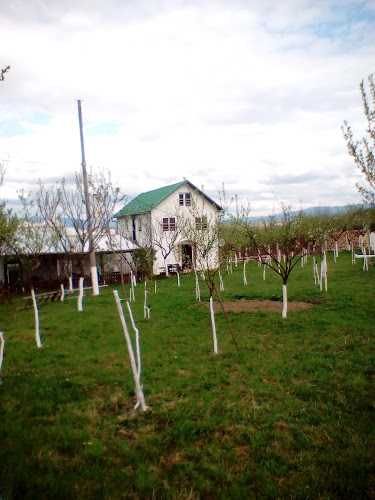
(244, 273)
(62, 293)
(285, 302)
(178, 279)
(155, 287)
(264, 272)
(2, 347)
(80, 296)
(139, 392)
(36, 312)
(213, 324)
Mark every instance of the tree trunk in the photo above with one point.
(213, 323)
(285, 301)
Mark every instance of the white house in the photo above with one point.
(172, 220)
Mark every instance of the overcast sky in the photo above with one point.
(247, 93)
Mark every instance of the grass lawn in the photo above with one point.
(289, 416)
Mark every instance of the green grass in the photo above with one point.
(289, 416)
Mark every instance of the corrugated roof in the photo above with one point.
(145, 202)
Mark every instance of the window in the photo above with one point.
(201, 222)
(184, 199)
(169, 224)
(139, 224)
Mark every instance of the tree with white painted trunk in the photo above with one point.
(280, 244)
(204, 233)
(63, 204)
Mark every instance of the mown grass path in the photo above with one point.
(289, 416)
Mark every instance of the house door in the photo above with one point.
(187, 256)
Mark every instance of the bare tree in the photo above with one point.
(363, 151)
(61, 206)
(280, 244)
(2, 73)
(204, 233)
(8, 221)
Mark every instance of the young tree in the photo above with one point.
(2, 73)
(32, 237)
(280, 244)
(60, 206)
(204, 233)
(363, 151)
(8, 221)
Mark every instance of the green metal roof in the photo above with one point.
(145, 202)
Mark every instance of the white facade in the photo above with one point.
(176, 228)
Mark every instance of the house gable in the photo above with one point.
(146, 202)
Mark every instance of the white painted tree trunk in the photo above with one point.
(62, 297)
(95, 280)
(138, 389)
(314, 270)
(155, 287)
(285, 302)
(146, 309)
(197, 288)
(235, 259)
(221, 282)
(323, 273)
(213, 324)
(365, 260)
(80, 296)
(264, 272)
(38, 339)
(70, 283)
(244, 273)
(2, 347)
(137, 344)
(178, 279)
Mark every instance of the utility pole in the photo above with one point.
(94, 270)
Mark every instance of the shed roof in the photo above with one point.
(145, 202)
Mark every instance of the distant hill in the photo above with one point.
(314, 211)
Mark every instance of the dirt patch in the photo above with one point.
(262, 305)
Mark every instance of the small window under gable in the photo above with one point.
(184, 199)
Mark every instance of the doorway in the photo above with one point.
(187, 256)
